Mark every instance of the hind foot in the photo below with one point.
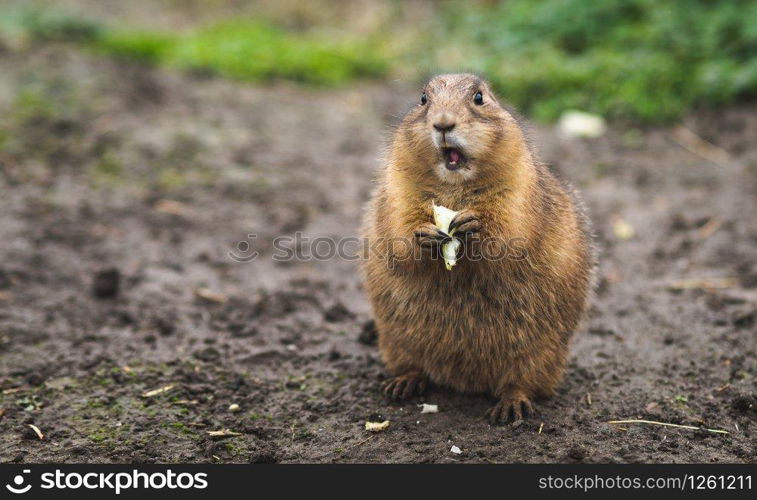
(406, 386)
(510, 409)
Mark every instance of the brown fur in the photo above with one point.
(499, 327)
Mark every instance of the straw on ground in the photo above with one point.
(666, 424)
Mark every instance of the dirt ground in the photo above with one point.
(126, 190)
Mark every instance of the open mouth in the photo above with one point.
(453, 158)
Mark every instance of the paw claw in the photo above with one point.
(430, 236)
(465, 222)
(528, 408)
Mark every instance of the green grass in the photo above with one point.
(252, 51)
(647, 61)
(249, 50)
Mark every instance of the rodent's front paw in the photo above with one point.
(430, 236)
(465, 222)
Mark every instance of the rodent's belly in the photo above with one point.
(458, 335)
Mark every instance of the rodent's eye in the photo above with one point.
(424, 99)
(478, 99)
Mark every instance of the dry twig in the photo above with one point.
(692, 142)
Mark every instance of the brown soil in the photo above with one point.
(125, 188)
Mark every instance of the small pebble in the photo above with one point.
(234, 407)
(455, 450)
(368, 334)
(106, 283)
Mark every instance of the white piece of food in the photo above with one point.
(442, 219)
(377, 426)
(427, 408)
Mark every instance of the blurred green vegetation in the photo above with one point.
(252, 50)
(241, 49)
(643, 60)
(647, 60)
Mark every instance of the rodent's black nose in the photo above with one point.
(444, 127)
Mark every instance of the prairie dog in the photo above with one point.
(500, 324)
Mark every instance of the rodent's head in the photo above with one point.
(457, 127)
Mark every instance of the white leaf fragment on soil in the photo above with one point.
(442, 219)
(377, 426)
(574, 123)
(622, 229)
(427, 408)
